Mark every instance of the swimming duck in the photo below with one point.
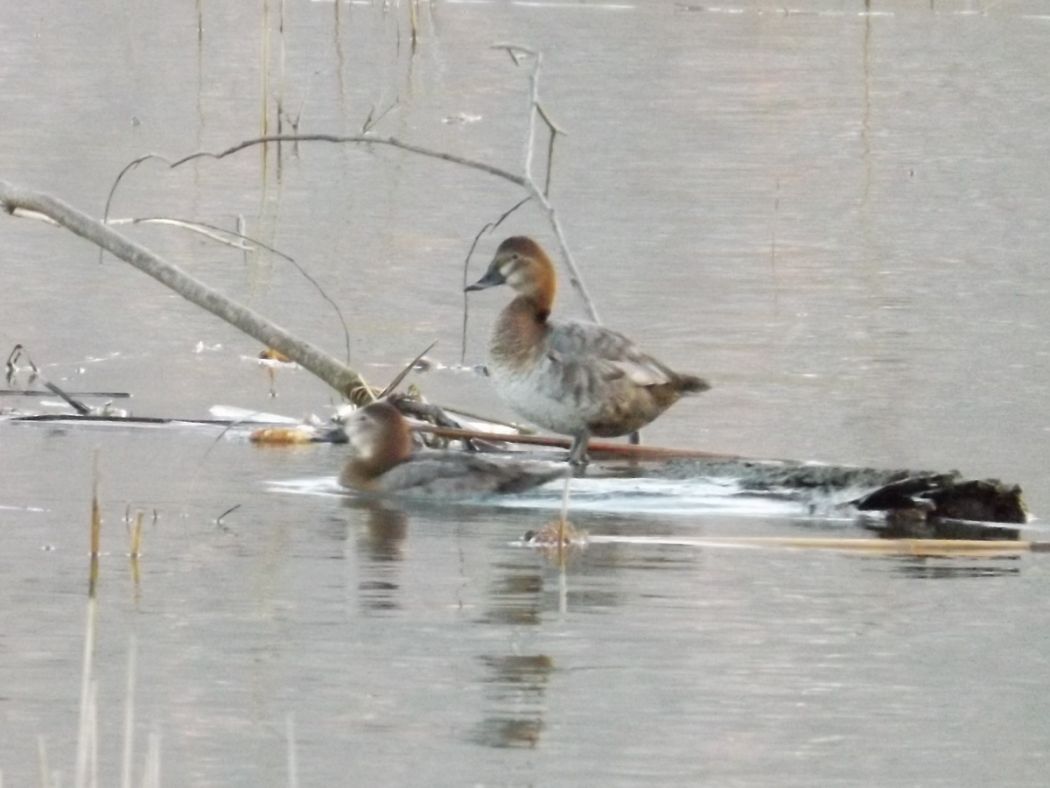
(571, 377)
(383, 461)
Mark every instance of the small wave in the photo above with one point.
(611, 495)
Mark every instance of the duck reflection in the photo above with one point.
(381, 544)
(953, 568)
(515, 688)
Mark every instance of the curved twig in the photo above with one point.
(116, 182)
(358, 139)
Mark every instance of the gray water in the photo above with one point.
(838, 216)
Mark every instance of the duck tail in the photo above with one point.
(691, 384)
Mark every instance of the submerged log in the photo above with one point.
(916, 504)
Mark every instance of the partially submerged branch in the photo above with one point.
(594, 448)
(336, 374)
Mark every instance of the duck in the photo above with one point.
(570, 377)
(384, 462)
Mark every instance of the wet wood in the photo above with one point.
(596, 449)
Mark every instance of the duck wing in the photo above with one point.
(590, 349)
(457, 475)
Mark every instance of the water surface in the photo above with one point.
(834, 212)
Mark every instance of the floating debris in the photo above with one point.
(283, 436)
(274, 355)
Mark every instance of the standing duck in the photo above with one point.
(383, 461)
(570, 377)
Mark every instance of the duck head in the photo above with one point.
(522, 264)
(379, 439)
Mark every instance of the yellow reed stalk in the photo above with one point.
(136, 535)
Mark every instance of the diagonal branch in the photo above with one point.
(337, 375)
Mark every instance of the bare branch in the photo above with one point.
(575, 279)
(361, 139)
(213, 231)
(339, 376)
(194, 227)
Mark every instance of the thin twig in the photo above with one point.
(575, 279)
(231, 510)
(393, 384)
(17, 353)
(358, 139)
(595, 447)
(371, 122)
(116, 182)
(75, 404)
(553, 130)
(194, 227)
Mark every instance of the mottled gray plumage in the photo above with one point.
(571, 377)
(383, 461)
(453, 475)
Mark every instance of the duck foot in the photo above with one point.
(578, 450)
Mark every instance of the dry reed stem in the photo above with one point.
(96, 530)
(136, 535)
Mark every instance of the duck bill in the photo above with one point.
(492, 278)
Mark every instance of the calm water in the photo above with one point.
(837, 217)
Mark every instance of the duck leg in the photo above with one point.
(578, 452)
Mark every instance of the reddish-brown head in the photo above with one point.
(521, 263)
(379, 439)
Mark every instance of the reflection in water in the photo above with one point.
(380, 551)
(948, 569)
(515, 689)
(516, 596)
